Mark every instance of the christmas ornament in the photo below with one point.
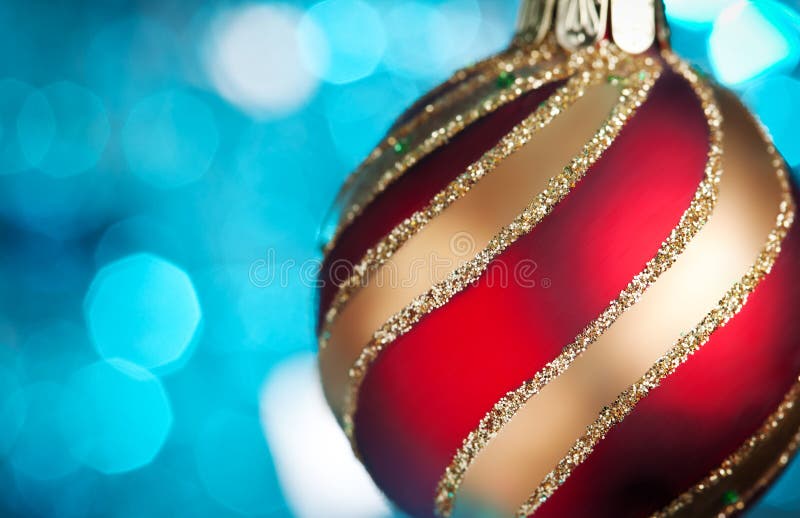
(564, 285)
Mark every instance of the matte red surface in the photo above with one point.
(431, 387)
(412, 191)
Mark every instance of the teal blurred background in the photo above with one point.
(158, 160)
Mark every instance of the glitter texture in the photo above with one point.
(596, 63)
(378, 254)
(381, 168)
(693, 219)
(728, 307)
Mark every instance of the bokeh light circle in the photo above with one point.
(309, 448)
(143, 309)
(354, 40)
(409, 52)
(12, 96)
(430, 41)
(131, 57)
(254, 59)
(170, 139)
(63, 129)
(776, 101)
(40, 451)
(359, 115)
(695, 14)
(35, 128)
(234, 464)
(750, 39)
(455, 38)
(115, 416)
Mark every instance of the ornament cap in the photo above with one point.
(634, 25)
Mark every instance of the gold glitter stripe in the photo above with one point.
(728, 468)
(727, 308)
(468, 79)
(692, 220)
(378, 254)
(381, 252)
(479, 75)
(640, 74)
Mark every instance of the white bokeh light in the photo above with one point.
(317, 470)
(429, 41)
(353, 40)
(751, 39)
(253, 58)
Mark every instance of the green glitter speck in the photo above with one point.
(730, 497)
(401, 146)
(505, 79)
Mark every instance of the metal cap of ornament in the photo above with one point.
(633, 25)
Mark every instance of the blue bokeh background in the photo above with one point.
(164, 168)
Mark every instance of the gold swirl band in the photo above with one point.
(439, 121)
(726, 309)
(378, 254)
(693, 219)
(640, 74)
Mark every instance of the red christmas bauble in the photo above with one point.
(565, 286)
